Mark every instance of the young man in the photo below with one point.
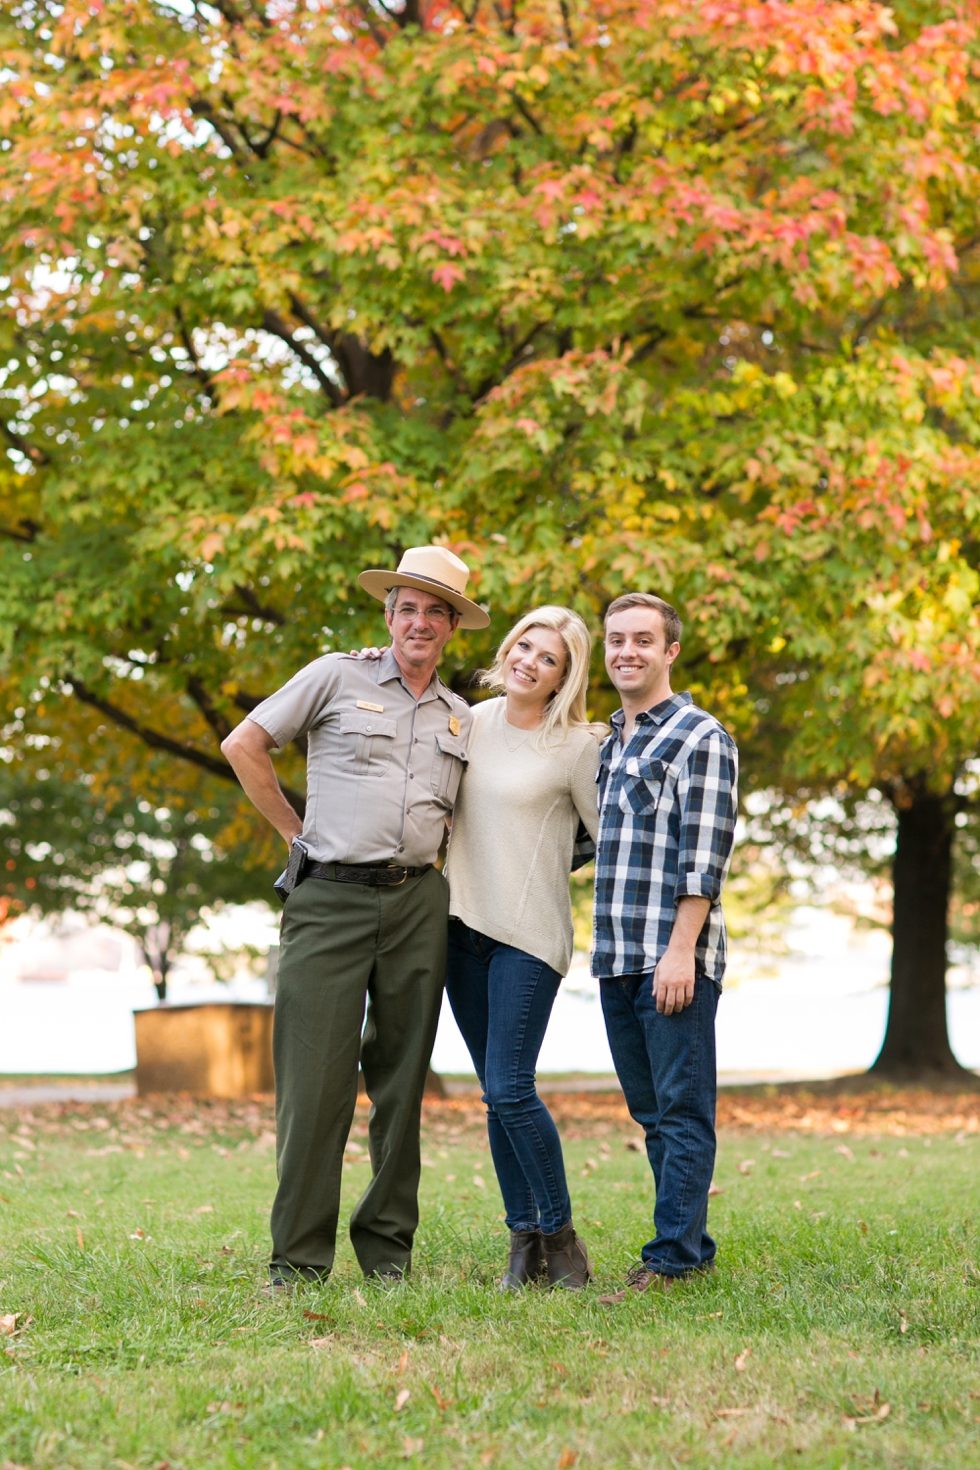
(386, 749)
(667, 798)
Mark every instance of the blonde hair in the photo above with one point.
(567, 707)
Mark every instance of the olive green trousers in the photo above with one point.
(344, 945)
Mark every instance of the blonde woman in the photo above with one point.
(530, 782)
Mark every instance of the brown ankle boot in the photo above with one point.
(567, 1259)
(525, 1262)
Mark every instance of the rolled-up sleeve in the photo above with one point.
(707, 798)
(297, 706)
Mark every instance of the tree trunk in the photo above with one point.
(916, 1044)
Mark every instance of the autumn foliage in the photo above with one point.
(648, 294)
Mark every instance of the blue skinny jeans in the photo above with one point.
(502, 1000)
(666, 1065)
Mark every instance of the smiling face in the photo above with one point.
(535, 666)
(638, 659)
(421, 626)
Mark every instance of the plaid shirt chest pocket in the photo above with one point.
(366, 741)
(642, 785)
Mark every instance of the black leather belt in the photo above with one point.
(364, 873)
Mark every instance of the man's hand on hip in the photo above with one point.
(673, 979)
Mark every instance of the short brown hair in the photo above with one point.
(673, 627)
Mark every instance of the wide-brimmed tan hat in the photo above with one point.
(430, 569)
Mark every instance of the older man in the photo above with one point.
(367, 921)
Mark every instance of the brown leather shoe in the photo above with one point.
(639, 1278)
(567, 1259)
(525, 1262)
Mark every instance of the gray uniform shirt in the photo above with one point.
(382, 768)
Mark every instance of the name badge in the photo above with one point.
(377, 709)
(453, 725)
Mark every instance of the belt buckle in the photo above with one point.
(393, 884)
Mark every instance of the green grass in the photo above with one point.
(149, 1342)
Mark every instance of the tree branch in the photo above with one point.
(201, 107)
(156, 741)
(214, 717)
(255, 608)
(273, 322)
(527, 114)
(35, 455)
(30, 532)
(153, 738)
(202, 377)
(566, 24)
(518, 356)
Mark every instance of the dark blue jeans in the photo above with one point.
(502, 999)
(666, 1065)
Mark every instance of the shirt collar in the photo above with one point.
(388, 670)
(654, 716)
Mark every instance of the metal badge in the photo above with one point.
(454, 726)
(378, 709)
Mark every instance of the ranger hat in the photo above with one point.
(430, 569)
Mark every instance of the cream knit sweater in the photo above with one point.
(514, 827)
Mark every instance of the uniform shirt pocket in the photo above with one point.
(448, 766)
(366, 742)
(642, 786)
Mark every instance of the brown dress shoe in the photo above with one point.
(525, 1262)
(567, 1259)
(639, 1278)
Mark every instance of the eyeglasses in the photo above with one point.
(437, 616)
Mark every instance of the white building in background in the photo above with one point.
(68, 992)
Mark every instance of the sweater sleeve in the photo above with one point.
(583, 787)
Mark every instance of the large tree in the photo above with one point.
(648, 293)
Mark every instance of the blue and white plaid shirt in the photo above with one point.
(667, 812)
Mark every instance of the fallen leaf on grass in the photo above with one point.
(139, 1234)
(862, 1225)
(478, 1182)
(706, 1316)
(876, 1418)
(411, 1447)
(746, 1166)
(204, 1210)
(730, 1413)
(488, 1456)
(317, 1316)
(403, 1362)
(401, 1399)
(742, 1359)
(843, 1149)
(567, 1458)
(73, 1214)
(779, 1153)
(713, 1189)
(797, 1204)
(320, 1342)
(8, 1324)
(903, 1325)
(634, 1145)
(358, 1298)
(441, 1403)
(80, 1237)
(815, 1174)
